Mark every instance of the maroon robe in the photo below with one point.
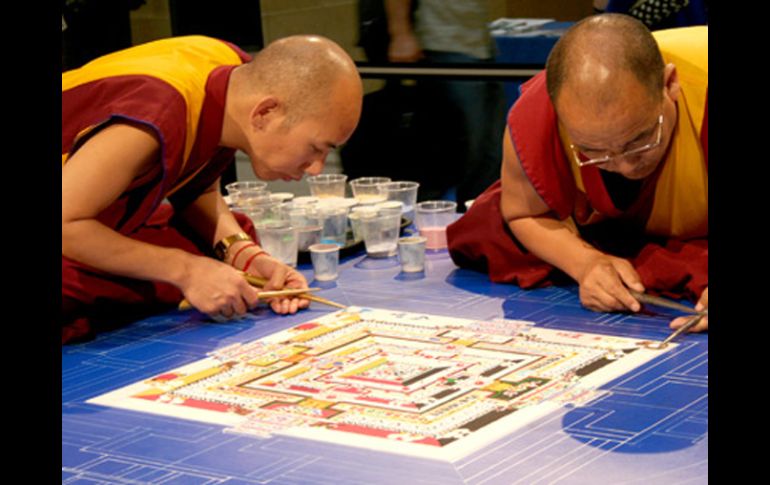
(481, 240)
(92, 299)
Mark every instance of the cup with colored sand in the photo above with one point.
(368, 190)
(327, 185)
(431, 219)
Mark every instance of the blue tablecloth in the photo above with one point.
(651, 424)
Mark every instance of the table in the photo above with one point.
(652, 424)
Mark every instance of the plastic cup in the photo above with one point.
(334, 224)
(411, 253)
(327, 185)
(431, 219)
(368, 190)
(405, 192)
(244, 199)
(390, 207)
(262, 210)
(381, 234)
(304, 200)
(325, 259)
(234, 187)
(279, 239)
(356, 215)
(307, 223)
(282, 196)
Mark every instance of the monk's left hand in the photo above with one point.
(703, 304)
(280, 276)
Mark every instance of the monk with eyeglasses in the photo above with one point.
(604, 179)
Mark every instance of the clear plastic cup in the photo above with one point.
(390, 207)
(381, 234)
(304, 200)
(327, 185)
(325, 259)
(368, 190)
(411, 253)
(431, 219)
(234, 187)
(262, 209)
(244, 199)
(334, 224)
(356, 215)
(279, 239)
(405, 192)
(307, 223)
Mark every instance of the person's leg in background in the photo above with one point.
(481, 108)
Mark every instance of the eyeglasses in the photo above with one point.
(584, 161)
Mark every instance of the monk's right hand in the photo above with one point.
(217, 289)
(604, 284)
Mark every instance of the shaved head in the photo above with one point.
(295, 101)
(597, 54)
(303, 70)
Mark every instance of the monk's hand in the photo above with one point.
(217, 289)
(703, 304)
(280, 276)
(604, 284)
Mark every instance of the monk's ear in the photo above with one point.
(266, 110)
(671, 82)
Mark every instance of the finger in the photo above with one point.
(630, 277)
(238, 306)
(618, 297)
(251, 297)
(293, 305)
(275, 305)
(278, 278)
(702, 326)
(302, 303)
(678, 322)
(226, 311)
(608, 302)
(598, 300)
(295, 280)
